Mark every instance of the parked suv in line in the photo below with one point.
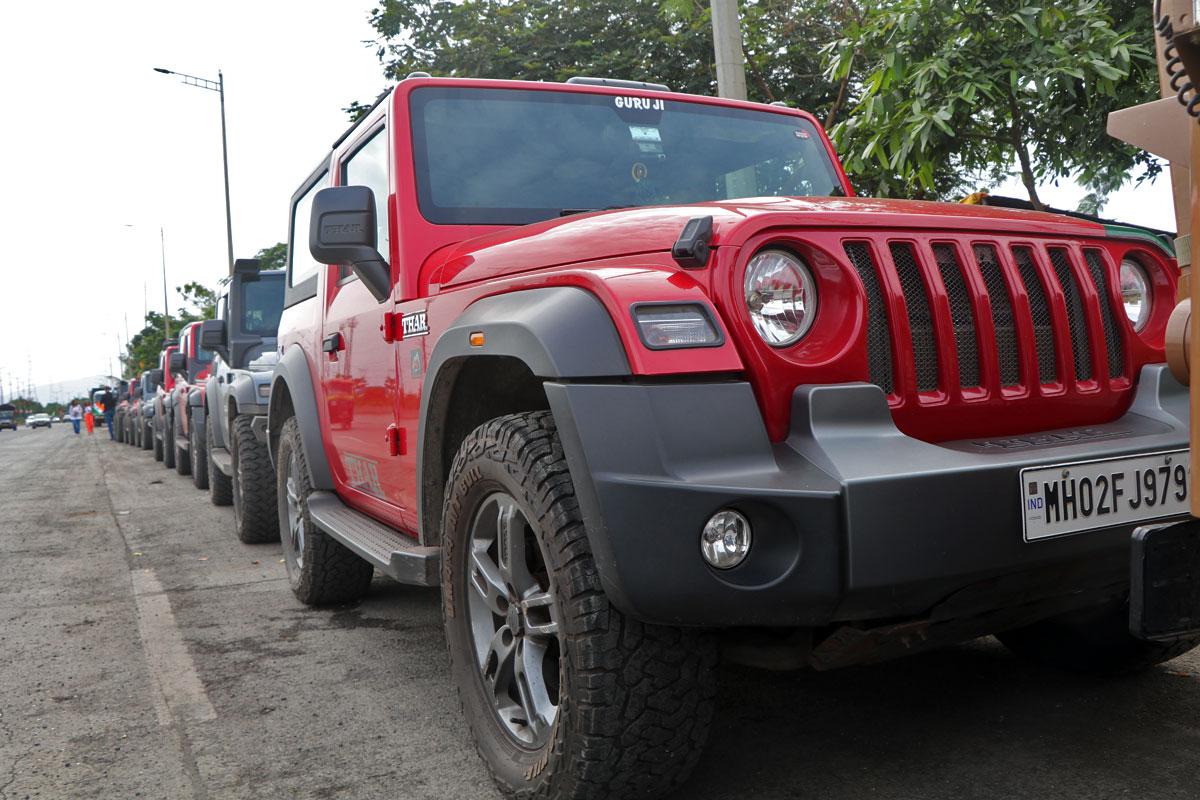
(189, 366)
(160, 420)
(622, 369)
(8, 413)
(230, 425)
(143, 408)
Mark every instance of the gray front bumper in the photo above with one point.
(852, 519)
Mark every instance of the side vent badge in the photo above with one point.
(690, 251)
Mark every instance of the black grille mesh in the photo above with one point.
(920, 321)
(961, 312)
(1009, 355)
(879, 346)
(1039, 308)
(1112, 335)
(1076, 321)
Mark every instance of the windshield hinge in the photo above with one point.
(690, 251)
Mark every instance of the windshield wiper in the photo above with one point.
(566, 212)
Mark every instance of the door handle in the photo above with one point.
(332, 343)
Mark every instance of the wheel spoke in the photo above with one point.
(487, 580)
(510, 533)
(541, 618)
(497, 661)
(531, 688)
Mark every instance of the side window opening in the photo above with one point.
(302, 266)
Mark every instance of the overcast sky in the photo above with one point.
(101, 151)
(95, 141)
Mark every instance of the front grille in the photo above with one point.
(1019, 283)
(920, 321)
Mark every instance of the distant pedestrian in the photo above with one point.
(89, 419)
(75, 412)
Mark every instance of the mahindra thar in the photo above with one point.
(628, 372)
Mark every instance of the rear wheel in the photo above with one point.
(1094, 640)
(183, 458)
(255, 511)
(220, 489)
(199, 455)
(320, 569)
(566, 697)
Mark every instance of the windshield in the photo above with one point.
(511, 156)
(262, 305)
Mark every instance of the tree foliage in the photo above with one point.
(273, 257)
(925, 98)
(954, 93)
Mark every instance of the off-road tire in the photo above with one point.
(160, 452)
(183, 459)
(199, 456)
(329, 572)
(146, 439)
(220, 487)
(635, 701)
(255, 511)
(1093, 641)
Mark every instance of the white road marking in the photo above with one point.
(178, 691)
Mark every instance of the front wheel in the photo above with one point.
(146, 437)
(566, 697)
(1094, 640)
(160, 452)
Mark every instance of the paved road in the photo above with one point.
(145, 652)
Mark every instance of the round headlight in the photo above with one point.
(1135, 293)
(781, 297)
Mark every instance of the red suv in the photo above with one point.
(622, 369)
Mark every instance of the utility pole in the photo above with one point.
(162, 241)
(727, 44)
(217, 86)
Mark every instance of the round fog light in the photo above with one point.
(725, 540)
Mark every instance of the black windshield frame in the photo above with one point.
(647, 114)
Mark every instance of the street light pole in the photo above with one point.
(217, 86)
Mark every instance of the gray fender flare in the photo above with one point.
(244, 392)
(212, 401)
(559, 332)
(196, 406)
(292, 378)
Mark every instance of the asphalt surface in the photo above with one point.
(145, 652)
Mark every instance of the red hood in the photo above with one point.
(611, 234)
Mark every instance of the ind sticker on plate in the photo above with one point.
(1089, 495)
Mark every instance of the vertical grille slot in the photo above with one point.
(1002, 315)
(1112, 336)
(1076, 321)
(879, 346)
(920, 320)
(1039, 309)
(962, 313)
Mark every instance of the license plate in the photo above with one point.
(1068, 498)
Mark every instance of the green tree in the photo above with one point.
(273, 257)
(199, 297)
(661, 42)
(950, 94)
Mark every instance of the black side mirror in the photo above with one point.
(212, 334)
(342, 231)
(156, 378)
(177, 363)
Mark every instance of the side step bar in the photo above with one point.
(221, 460)
(393, 553)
